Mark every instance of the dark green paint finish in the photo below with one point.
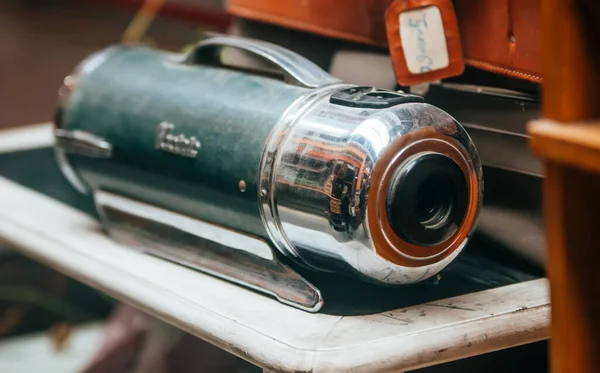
(231, 113)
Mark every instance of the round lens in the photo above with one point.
(427, 199)
(434, 202)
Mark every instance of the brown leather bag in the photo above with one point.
(356, 20)
(501, 36)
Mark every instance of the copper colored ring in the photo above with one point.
(388, 244)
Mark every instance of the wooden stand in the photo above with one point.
(256, 328)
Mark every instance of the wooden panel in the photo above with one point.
(570, 96)
(576, 145)
(571, 88)
(572, 205)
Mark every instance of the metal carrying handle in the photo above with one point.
(297, 70)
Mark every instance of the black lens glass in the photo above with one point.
(434, 201)
(427, 199)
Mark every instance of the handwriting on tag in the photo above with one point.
(423, 39)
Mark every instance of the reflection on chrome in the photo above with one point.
(329, 174)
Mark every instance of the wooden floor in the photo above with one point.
(41, 43)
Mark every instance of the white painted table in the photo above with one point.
(253, 327)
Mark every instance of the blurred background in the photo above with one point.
(42, 40)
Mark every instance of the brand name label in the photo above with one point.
(176, 144)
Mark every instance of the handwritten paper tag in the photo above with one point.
(424, 40)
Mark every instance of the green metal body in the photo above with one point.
(125, 98)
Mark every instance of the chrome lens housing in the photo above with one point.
(390, 194)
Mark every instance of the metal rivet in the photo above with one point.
(263, 192)
(242, 186)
